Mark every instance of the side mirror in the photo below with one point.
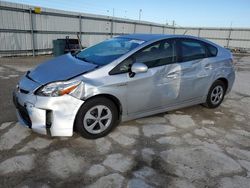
(138, 68)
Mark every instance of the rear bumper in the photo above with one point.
(231, 79)
(47, 115)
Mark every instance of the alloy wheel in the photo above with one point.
(97, 119)
(217, 95)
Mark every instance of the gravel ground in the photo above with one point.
(191, 147)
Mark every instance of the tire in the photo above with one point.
(216, 94)
(96, 118)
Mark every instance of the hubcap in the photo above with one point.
(217, 95)
(97, 119)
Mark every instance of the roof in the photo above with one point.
(145, 37)
(151, 37)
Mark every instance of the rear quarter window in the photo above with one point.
(212, 50)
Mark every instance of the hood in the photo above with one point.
(60, 68)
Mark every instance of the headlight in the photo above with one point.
(61, 88)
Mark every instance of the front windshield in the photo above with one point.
(107, 51)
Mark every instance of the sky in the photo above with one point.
(194, 13)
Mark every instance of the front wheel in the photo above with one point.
(96, 118)
(216, 94)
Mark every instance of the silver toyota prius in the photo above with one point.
(120, 79)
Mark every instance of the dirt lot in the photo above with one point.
(191, 147)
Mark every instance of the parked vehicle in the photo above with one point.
(120, 79)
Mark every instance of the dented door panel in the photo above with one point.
(195, 78)
(158, 87)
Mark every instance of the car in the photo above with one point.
(120, 79)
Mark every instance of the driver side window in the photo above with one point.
(154, 55)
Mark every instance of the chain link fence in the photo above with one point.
(23, 32)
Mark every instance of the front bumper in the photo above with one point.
(53, 116)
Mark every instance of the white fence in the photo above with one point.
(22, 32)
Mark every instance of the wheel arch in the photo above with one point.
(224, 80)
(106, 96)
(207, 103)
(114, 99)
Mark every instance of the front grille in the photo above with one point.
(24, 115)
(48, 118)
(22, 112)
(24, 91)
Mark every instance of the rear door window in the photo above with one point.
(192, 49)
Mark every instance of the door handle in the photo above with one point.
(208, 66)
(122, 84)
(173, 75)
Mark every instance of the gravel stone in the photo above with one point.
(209, 131)
(138, 183)
(151, 130)
(245, 164)
(122, 139)
(144, 173)
(241, 132)
(118, 162)
(147, 155)
(129, 130)
(242, 140)
(109, 181)
(103, 145)
(37, 143)
(13, 136)
(170, 140)
(63, 163)
(181, 183)
(96, 170)
(235, 182)
(17, 164)
(187, 135)
(200, 132)
(239, 153)
(5, 125)
(181, 121)
(207, 122)
(150, 120)
(199, 162)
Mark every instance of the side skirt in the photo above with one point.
(163, 109)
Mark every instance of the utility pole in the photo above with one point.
(173, 23)
(112, 23)
(229, 34)
(108, 13)
(32, 33)
(174, 27)
(140, 11)
(125, 15)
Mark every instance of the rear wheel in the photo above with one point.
(216, 94)
(96, 118)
